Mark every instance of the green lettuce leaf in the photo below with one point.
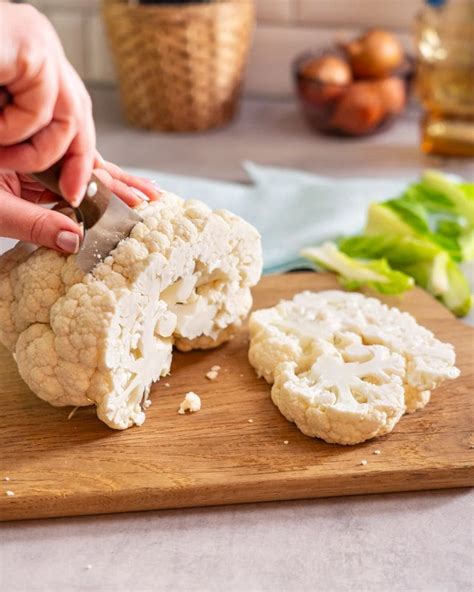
(420, 236)
(411, 212)
(435, 209)
(467, 189)
(459, 195)
(354, 274)
(428, 264)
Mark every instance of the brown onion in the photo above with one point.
(319, 94)
(327, 69)
(393, 93)
(359, 111)
(375, 55)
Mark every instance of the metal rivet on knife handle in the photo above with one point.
(92, 206)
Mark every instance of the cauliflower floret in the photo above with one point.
(9, 262)
(191, 403)
(345, 367)
(182, 276)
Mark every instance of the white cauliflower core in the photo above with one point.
(345, 367)
(183, 278)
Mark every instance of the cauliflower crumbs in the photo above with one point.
(88, 566)
(215, 368)
(191, 403)
(6, 478)
(167, 384)
(9, 493)
(376, 452)
(250, 420)
(212, 375)
(285, 442)
(363, 462)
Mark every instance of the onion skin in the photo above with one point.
(393, 94)
(359, 111)
(375, 55)
(320, 94)
(327, 69)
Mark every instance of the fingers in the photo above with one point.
(29, 189)
(32, 223)
(29, 70)
(4, 98)
(43, 196)
(50, 116)
(144, 186)
(48, 145)
(10, 182)
(34, 99)
(70, 137)
(121, 190)
(79, 158)
(42, 150)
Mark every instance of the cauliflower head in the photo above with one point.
(345, 367)
(182, 278)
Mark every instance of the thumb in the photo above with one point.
(32, 223)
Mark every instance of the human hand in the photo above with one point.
(23, 217)
(50, 115)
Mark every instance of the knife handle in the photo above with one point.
(50, 178)
(94, 203)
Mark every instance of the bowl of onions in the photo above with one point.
(355, 89)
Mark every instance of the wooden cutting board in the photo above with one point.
(234, 449)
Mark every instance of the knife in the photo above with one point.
(106, 218)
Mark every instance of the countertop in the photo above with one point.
(411, 542)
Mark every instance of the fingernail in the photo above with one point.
(140, 194)
(67, 241)
(75, 199)
(79, 197)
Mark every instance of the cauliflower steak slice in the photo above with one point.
(345, 367)
(182, 277)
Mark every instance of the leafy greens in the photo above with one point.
(420, 236)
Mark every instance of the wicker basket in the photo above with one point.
(180, 68)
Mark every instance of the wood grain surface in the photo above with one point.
(59, 467)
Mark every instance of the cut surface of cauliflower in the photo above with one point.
(182, 278)
(346, 367)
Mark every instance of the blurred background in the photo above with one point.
(242, 69)
(269, 128)
(284, 28)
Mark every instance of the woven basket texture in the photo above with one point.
(180, 68)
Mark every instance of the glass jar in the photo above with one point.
(445, 76)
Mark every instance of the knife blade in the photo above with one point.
(106, 219)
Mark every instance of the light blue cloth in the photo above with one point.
(291, 209)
